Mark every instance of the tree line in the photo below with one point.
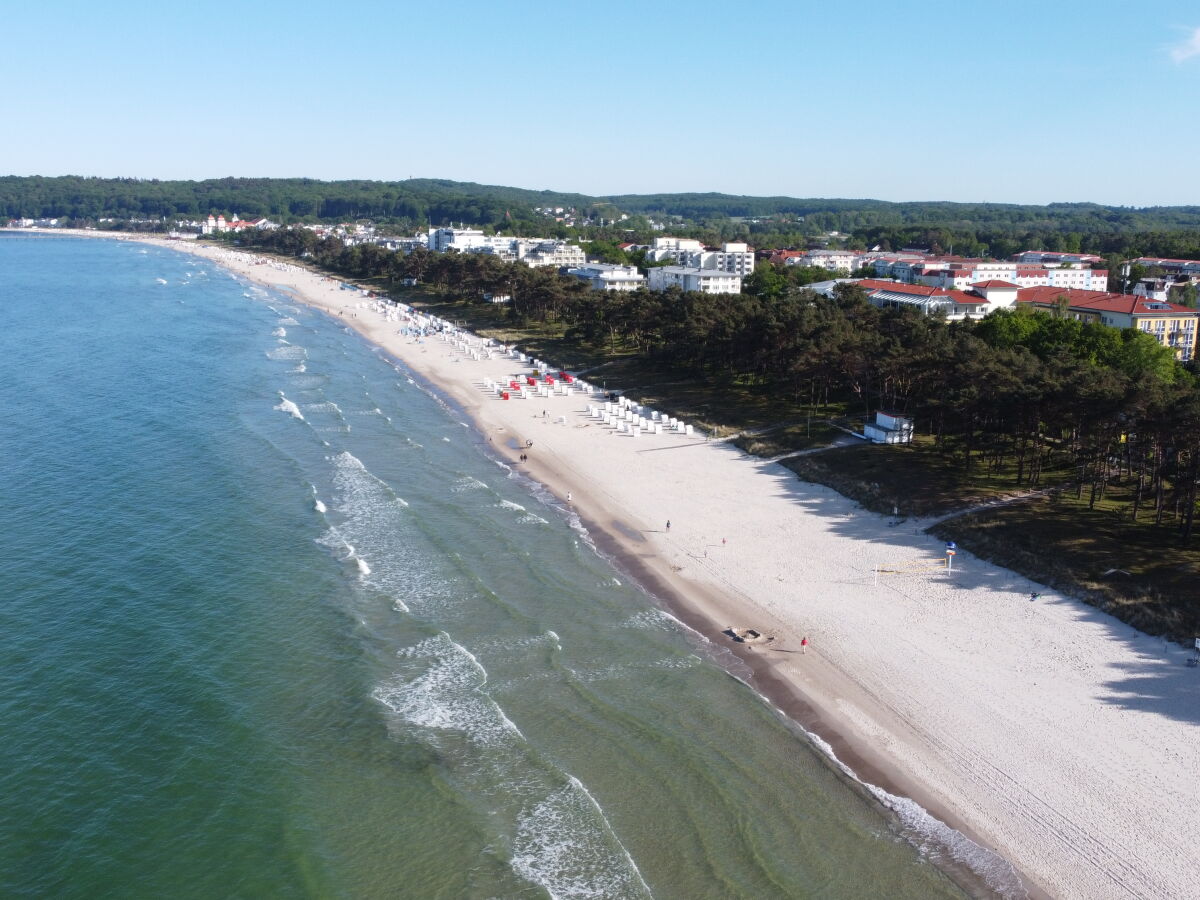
(970, 229)
(1020, 390)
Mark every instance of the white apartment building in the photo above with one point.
(833, 260)
(607, 277)
(706, 281)
(548, 253)
(959, 274)
(531, 251)
(464, 240)
(1052, 256)
(672, 248)
(735, 256)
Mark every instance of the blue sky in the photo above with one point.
(1017, 101)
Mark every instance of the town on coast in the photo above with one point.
(1017, 723)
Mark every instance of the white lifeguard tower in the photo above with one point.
(889, 428)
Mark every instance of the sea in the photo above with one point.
(274, 623)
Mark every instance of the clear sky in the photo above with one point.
(971, 100)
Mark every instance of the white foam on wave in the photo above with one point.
(300, 369)
(287, 320)
(565, 844)
(319, 506)
(508, 504)
(363, 568)
(287, 406)
(367, 515)
(325, 406)
(280, 332)
(467, 483)
(507, 647)
(292, 352)
(448, 694)
(651, 620)
(934, 839)
(561, 840)
(626, 670)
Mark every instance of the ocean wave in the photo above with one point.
(934, 839)
(651, 620)
(467, 483)
(565, 844)
(447, 695)
(560, 838)
(366, 513)
(287, 406)
(291, 352)
(325, 406)
(625, 670)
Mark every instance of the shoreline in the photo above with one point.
(1004, 725)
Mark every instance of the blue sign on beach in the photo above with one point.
(950, 545)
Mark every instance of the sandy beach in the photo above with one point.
(1045, 731)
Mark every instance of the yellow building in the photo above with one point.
(1170, 324)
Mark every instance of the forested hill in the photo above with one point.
(774, 221)
(873, 213)
(282, 199)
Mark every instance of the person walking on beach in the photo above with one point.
(804, 644)
(568, 496)
(668, 524)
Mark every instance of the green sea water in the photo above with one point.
(274, 624)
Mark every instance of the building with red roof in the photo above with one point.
(952, 304)
(1170, 324)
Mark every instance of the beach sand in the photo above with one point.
(1045, 731)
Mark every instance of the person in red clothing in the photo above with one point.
(804, 644)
